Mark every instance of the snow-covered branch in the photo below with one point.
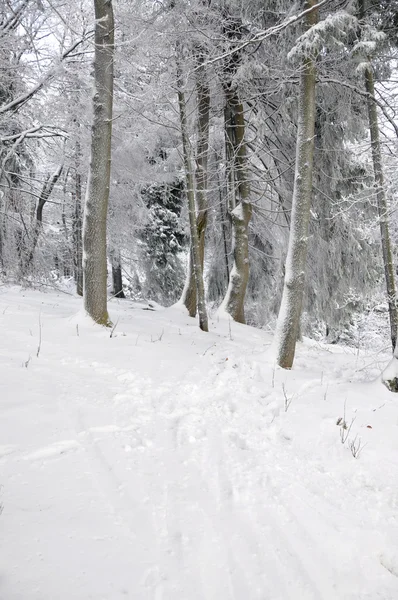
(263, 35)
(16, 104)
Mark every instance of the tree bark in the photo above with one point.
(288, 324)
(77, 225)
(189, 297)
(240, 208)
(117, 275)
(382, 207)
(97, 196)
(195, 249)
(224, 231)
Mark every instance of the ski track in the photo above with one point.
(174, 469)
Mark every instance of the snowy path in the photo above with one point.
(160, 463)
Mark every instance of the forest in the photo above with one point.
(198, 299)
(237, 156)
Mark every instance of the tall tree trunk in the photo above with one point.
(223, 230)
(382, 207)
(239, 205)
(288, 325)
(117, 274)
(97, 196)
(67, 252)
(195, 250)
(189, 297)
(77, 225)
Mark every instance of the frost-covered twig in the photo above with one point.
(261, 36)
(39, 346)
(113, 328)
(159, 339)
(288, 400)
(356, 446)
(344, 428)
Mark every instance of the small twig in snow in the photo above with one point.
(207, 349)
(159, 339)
(288, 400)
(26, 362)
(39, 346)
(113, 328)
(344, 428)
(356, 446)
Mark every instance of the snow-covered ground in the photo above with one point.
(161, 464)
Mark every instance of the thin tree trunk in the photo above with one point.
(46, 192)
(97, 196)
(67, 254)
(239, 205)
(117, 275)
(382, 207)
(195, 250)
(189, 298)
(288, 325)
(77, 225)
(224, 231)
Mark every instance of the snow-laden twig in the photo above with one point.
(39, 346)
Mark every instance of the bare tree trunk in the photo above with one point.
(67, 252)
(46, 192)
(203, 93)
(97, 196)
(77, 225)
(382, 207)
(195, 250)
(117, 274)
(288, 325)
(224, 231)
(239, 205)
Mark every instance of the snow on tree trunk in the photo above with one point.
(96, 207)
(77, 225)
(288, 324)
(195, 251)
(203, 92)
(239, 205)
(188, 296)
(382, 207)
(390, 375)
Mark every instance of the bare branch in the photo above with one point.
(33, 133)
(360, 92)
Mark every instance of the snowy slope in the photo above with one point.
(160, 463)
